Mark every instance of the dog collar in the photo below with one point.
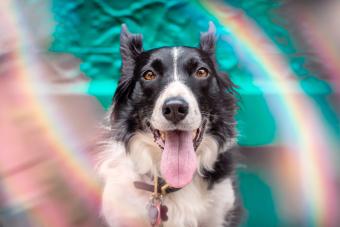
(162, 187)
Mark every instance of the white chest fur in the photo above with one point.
(192, 206)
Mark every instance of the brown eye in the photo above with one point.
(201, 73)
(149, 75)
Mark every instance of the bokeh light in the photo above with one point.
(59, 66)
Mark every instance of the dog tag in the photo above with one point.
(154, 212)
(164, 213)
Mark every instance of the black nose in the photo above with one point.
(175, 109)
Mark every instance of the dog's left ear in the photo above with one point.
(208, 39)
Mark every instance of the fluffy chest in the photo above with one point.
(196, 206)
(187, 206)
(193, 206)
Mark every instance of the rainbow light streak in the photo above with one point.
(74, 162)
(296, 115)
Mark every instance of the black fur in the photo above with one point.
(208, 40)
(223, 168)
(135, 98)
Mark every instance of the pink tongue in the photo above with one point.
(178, 163)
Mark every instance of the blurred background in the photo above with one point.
(59, 66)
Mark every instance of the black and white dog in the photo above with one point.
(171, 127)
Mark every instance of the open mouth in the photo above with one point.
(197, 135)
(178, 161)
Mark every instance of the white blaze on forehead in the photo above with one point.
(175, 51)
(176, 88)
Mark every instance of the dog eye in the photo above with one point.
(149, 75)
(202, 73)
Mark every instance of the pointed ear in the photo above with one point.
(130, 48)
(208, 39)
(130, 45)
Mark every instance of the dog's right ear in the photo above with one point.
(130, 49)
(130, 45)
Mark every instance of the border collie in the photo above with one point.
(166, 159)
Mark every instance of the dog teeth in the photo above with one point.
(163, 136)
(195, 133)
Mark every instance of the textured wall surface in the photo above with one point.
(90, 30)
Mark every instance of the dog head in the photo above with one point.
(178, 94)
